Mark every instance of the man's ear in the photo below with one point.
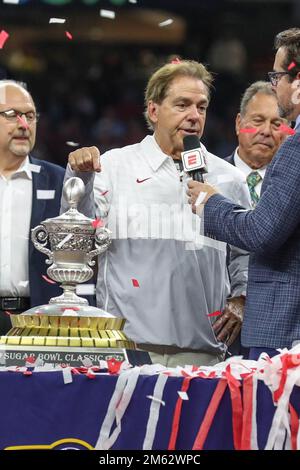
(238, 121)
(153, 111)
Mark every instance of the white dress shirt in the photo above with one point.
(246, 169)
(15, 213)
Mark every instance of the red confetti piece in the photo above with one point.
(3, 38)
(103, 193)
(286, 129)
(31, 359)
(48, 280)
(176, 61)
(70, 308)
(248, 130)
(8, 313)
(214, 314)
(135, 283)
(69, 35)
(291, 66)
(22, 122)
(97, 223)
(113, 366)
(27, 372)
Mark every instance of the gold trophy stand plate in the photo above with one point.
(68, 340)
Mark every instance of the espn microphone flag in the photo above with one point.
(193, 157)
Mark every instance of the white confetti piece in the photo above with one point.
(69, 313)
(183, 395)
(67, 375)
(157, 400)
(165, 23)
(23, 283)
(85, 289)
(72, 144)
(45, 193)
(12, 2)
(87, 362)
(108, 14)
(65, 240)
(132, 1)
(57, 20)
(34, 168)
(200, 198)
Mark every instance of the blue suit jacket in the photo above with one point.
(50, 177)
(230, 159)
(272, 233)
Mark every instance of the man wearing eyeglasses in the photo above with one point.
(30, 191)
(272, 230)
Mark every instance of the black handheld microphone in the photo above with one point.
(193, 158)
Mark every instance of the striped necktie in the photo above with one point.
(252, 180)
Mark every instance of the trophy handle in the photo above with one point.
(39, 237)
(102, 242)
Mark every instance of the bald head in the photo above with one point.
(17, 127)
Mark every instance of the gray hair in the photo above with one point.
(256, 87)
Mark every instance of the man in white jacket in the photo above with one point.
(160, 273)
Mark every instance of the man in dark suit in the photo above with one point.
(258, 129)
(271, 232)
(30, 191)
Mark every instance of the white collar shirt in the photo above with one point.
(15, 214)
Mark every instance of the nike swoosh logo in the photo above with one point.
(141, 181)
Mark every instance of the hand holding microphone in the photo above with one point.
(194, 163)
(193, 158)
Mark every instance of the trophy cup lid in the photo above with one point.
(73, 191)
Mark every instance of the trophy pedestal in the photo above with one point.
(68, 340)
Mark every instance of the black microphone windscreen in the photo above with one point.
(191, 142)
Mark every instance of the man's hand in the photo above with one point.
(203, 189)
(85, 159)
(229, 323)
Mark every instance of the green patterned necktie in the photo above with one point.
(252, 180)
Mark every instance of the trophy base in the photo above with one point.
(69, 357)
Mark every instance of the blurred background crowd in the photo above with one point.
(89, 86)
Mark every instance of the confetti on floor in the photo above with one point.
(135, 283)
(69, 35)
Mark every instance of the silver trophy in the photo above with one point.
(74, 242)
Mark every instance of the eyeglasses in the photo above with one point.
(12, 115)
(274, 77)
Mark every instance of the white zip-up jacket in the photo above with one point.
(160, 273)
